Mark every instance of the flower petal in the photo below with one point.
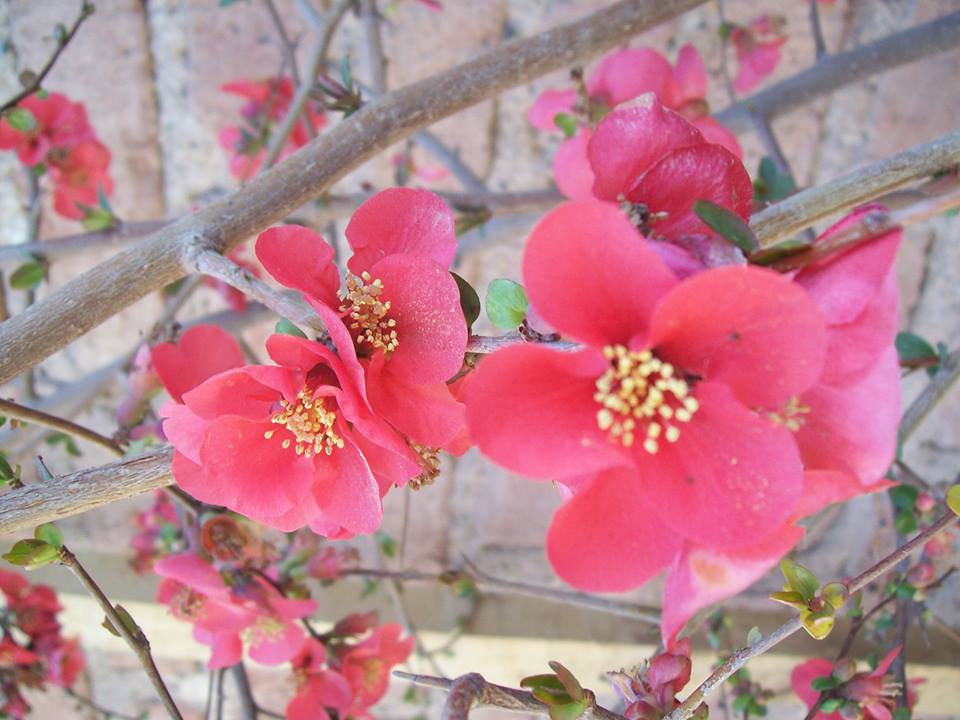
(689, 77)
(184, 429)
(431, 331)
(591, 275)
(301, 259)
(747, 327)
(804, 674)
(853, 428)
(700, 576)
(571, 167)
(731, 477)
(202, 352)
(531, 409)
(697, 172)
(608, 538)
(249, 392)
(628, 73)
(548, 105)
(346, 491)
(275, 649)
(401, 221)
(631, 140)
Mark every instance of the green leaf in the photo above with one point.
(800, 579)
(69, 444)
(469, 300)
(285, 327)
(6, 472)
(818, 624)
(28, 275)
(388, 546)
(96, 219)
(728, 224)
(21, 118)
(31, 554)
(570, 682)
(128, 622)
(903, 497)
(50, 534)
(754, 636)
(831, 705)
(789, 597)
(835, 593)
(905, 522)
(506, 303)
(741, 703)
(345, 76)
(953, 499)
(775, 253)
(913, 347)
(567, 123)
(902, 714)
(771, 184)
(824, 683)
(757, 708)
(906, 590)
(569, 711)
(546, 681)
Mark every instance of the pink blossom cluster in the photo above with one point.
(33, 651)
(55, 135)
(267, 102)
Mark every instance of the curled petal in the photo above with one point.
(571, 167)
(631, 140)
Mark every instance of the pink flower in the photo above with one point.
(286, 445)
(398, 322)
(653, 424)
(267, 103)
(318, 688)
(873, 694)
(226, 618)
(367, 665)
(620, 77)
(650, 692)
(80, 174)
(59, 124)
(142, 384)
(758, 50)
(200, 353)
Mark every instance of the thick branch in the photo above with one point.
(833, 72)
(91, 298)
(805, 208)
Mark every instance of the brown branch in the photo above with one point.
(469, 691)
(68, 244)
(803, 209)
(86, 10)
(134, 637)
(838, 70)
(78, 492)
(740, 658)
(88, 300)
(932, 199)
(209, 262)
(38, 417)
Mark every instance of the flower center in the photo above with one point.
(641, 397)
(792, 415)
(368, 314)
(310, 423)
(429, 460)
(264, 629)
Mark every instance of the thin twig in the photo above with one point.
(12, 409)
(86, 10)
(108, 714)
(817, 30)
(924, 403)
(376, 60)
(318, 56)
(744, 655)
(248, 707)
(289, 49)
(134, 636)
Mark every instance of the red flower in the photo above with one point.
(318, 688)
(873, 694)
(59, 124)
(227, 618)
(267, 103)
(758, 50)
(399, 316)
(367, 665)
(65, 663)
(79, 175)
(653, 423)
(286, 445)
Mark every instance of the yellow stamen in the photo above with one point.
(311, 424)
(368, 314)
